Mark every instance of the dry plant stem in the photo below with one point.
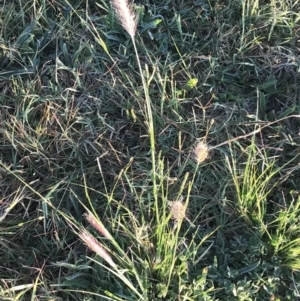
(253, 132)
(44, 199)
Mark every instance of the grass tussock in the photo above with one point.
(159, 166)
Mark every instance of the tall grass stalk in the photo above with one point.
(128, 20)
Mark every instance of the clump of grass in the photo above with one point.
(166, 265)
(70, 98)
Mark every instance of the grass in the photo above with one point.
(159, 165)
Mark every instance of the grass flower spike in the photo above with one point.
(200, 152)
(96, 247)
(97, 225)
(177, 210)
(126, 16)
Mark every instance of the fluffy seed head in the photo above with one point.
(126, 15)
(200, 152)
(97, 225)
(96, 247)
(177, 210)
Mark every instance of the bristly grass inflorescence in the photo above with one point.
(200, 152)
(126, 16)
(96, 247)
(97, 225)
(177, 210)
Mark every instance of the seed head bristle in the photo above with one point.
(200, 152)
(96, 247)
(97, 225)
(126, 15)
(177, 210)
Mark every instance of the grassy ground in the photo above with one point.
(209, 211)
